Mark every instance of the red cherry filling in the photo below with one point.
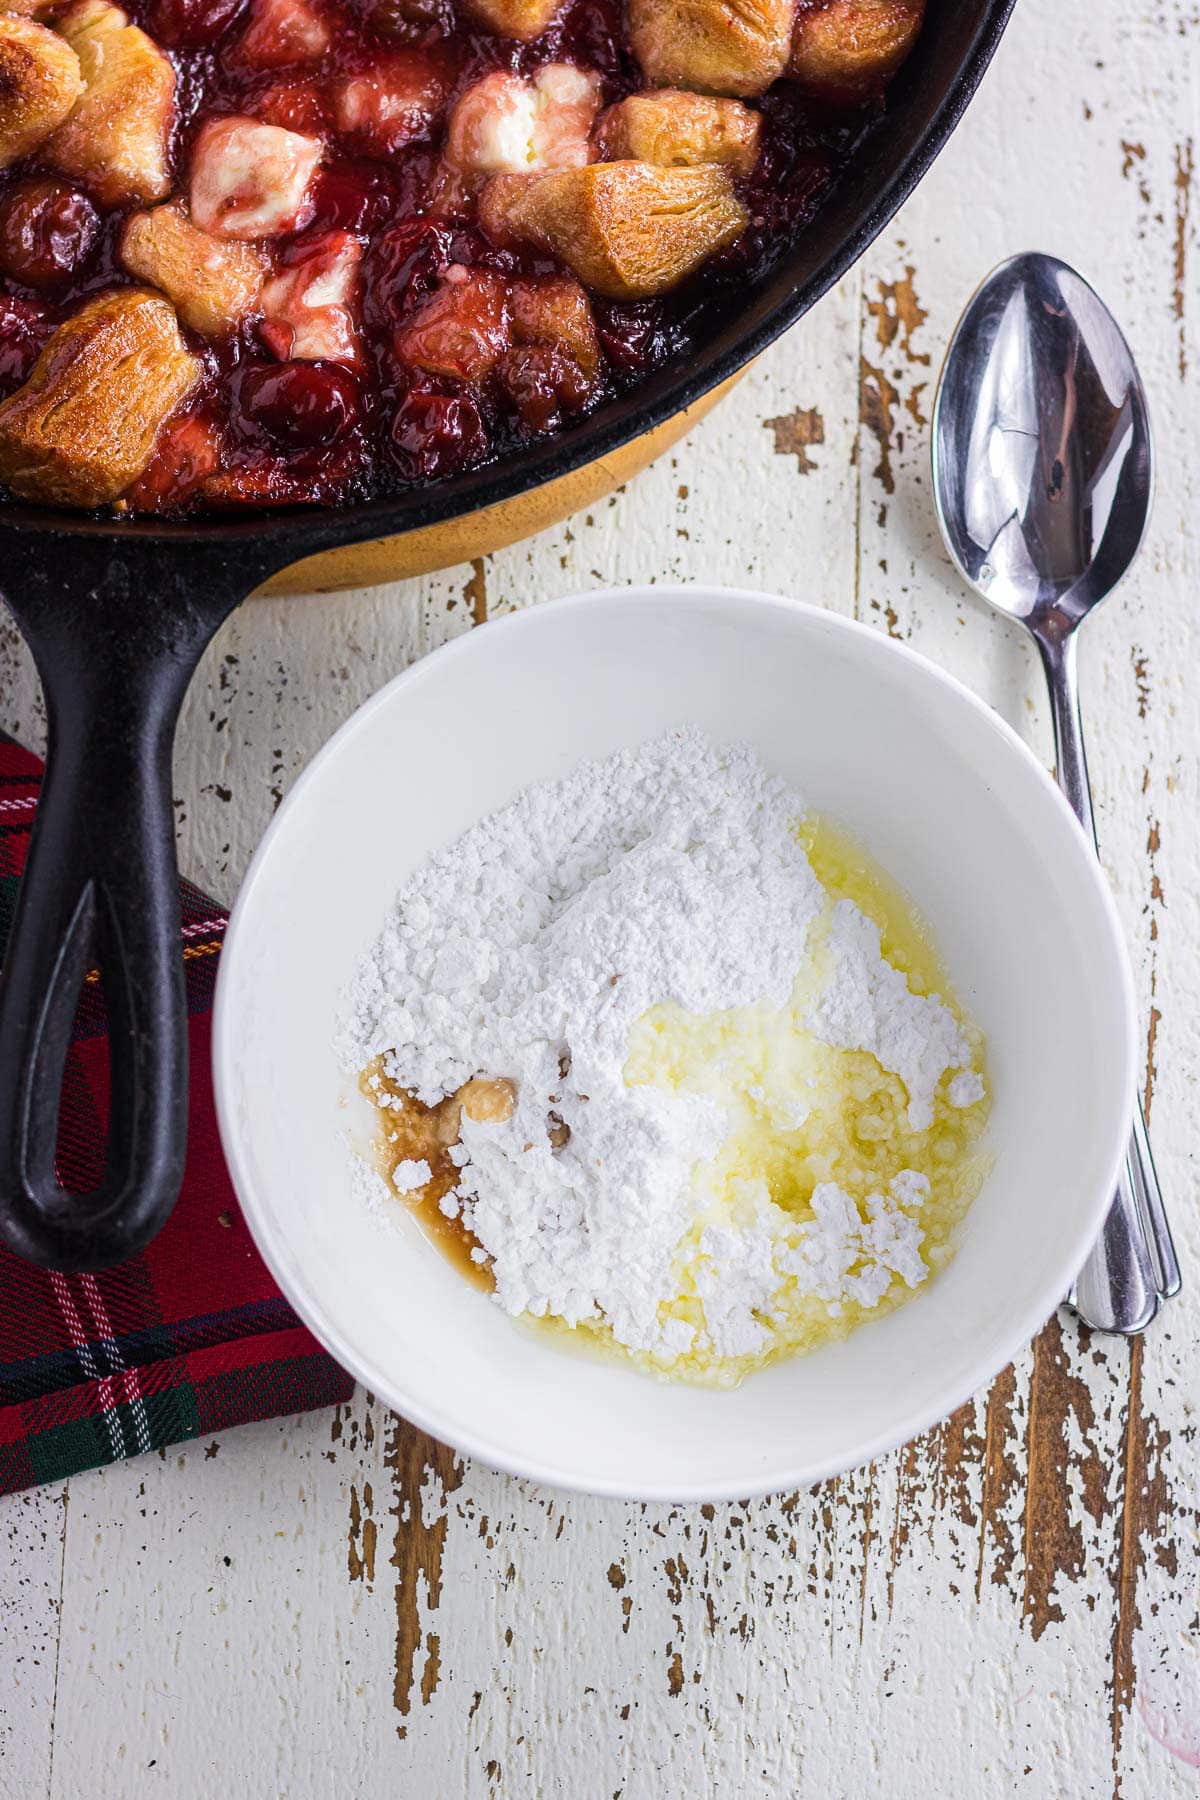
(188, 451)
(23, 331)
(594, 36)
(299, 405)
(412, 21)
(405, 265)
(543, 384)
(353, 197)
(436, 434)
(47, 231)
(294, 106)
(191, 24)
(634, 335)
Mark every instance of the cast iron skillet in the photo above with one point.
(117, 616)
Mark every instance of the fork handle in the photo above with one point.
(1154, 1212)
(1133, 1267)
(1117, 1288)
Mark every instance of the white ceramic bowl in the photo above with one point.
(875, 737)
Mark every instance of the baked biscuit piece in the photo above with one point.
(505, 125)
(39, 84)
(310, 305)
(712, 46)
(213, 282)
(117, 139)
(628, 230)
(680, 130)
(83, 426)
(524, 19)
(250, 180)
(850, 49)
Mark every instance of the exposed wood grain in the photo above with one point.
(475, 592)
(796, 433)
(1145, 1518)
(424, 1475)
(1185, 169)
(1065, 1480)
(1000, 1484)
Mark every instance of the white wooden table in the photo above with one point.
(335, 1605)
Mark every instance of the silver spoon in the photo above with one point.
(1042, 477)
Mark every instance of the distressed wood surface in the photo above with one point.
(337, 1605)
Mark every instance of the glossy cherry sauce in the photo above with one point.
(261, 432)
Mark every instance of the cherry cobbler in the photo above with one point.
(271, 251)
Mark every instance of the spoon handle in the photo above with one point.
(1133, 1267)
(1061, 663)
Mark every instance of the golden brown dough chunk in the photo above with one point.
(714, 46)
(213, 282)
(524, 19)
(116, 140)
(627, 229)
(83, 426)
(25, 9)
(850, 49)
(39, 84)
(553, 309)
(678, 130)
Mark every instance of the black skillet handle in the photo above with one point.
(116, 632)
(99, 884)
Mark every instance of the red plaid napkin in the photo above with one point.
(189, 1337)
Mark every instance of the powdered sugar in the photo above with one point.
(410, 1174)
(531, 946)
(838, 1257)
(867, 1006)
(966, 1089)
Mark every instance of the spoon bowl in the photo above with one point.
(1043, 459)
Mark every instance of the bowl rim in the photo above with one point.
(274, 1246)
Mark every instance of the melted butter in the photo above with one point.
(847, 872)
